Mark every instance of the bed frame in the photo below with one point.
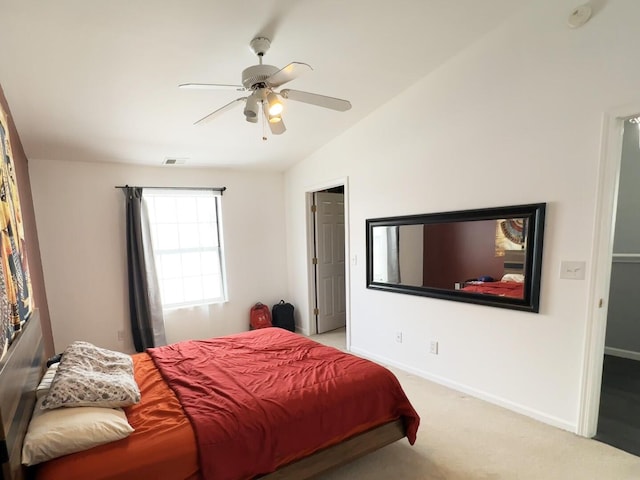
(20, 372)
(342, 453)
(22, 369)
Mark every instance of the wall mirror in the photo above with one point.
(488, 256)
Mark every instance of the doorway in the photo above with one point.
(329, 259)
(619, 411)
(602, 260)
(328, 246)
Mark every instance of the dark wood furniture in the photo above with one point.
(20, 372)
(341, 453)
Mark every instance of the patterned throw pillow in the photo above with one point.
(93, 377)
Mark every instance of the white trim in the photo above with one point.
(311, 328)
(516, 407)
(618, 352)
(309, 191)
(302, 331)
(602, 255)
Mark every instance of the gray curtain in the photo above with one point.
(393, 254)
(145, 306)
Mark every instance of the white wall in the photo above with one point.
(80, 219)
(516, 118)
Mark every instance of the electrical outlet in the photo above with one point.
(433, 347)
(121, 335)
(398, 337)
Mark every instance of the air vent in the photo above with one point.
(174, 161)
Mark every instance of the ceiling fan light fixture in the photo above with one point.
(275, 105)
(251, 108)
(275, 118)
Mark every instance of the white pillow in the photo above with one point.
(513, 277)
(45, 384)
(54, 433)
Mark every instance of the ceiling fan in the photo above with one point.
(261, 81)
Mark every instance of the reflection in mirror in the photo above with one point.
(492, 253)
(398, 249)
(455, 255)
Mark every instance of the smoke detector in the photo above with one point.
(580, 16)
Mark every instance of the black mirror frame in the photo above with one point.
(533, 258)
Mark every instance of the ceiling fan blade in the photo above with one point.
(288, 73)
(315, 99)
(217, 112)
(211, 86)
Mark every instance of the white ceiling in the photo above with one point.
(97, 80)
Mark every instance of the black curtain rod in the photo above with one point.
(215, 189)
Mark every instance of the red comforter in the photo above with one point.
(261, 399)
(501, 289)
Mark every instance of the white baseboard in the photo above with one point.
(502, 402)
(618, 352)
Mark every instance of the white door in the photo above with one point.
(329, 238)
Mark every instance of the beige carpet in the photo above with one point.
(464, 438)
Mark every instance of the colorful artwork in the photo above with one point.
(6, 332)
(510, 235)
(16, 303)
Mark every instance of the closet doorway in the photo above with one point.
(614, 123)
(619, 411)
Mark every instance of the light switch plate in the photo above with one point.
(572, 270)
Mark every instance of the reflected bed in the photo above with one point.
(501, 289)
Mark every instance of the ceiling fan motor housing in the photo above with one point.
(254, 76)
(260, 45)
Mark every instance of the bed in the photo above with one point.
(307, 437)
(501, 289)
(511, 283)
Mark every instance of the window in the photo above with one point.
(186, 229)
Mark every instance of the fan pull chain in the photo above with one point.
(264, 125)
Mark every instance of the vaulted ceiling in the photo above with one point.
(97, 81)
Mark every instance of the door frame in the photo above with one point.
(602, 256)
(311, 282)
